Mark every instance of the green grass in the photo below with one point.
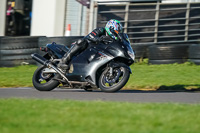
(20, 76)
(173, 76)
(66, 116)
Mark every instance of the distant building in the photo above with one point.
(49, 17)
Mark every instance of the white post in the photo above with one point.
(2, 17)
(95, 15)
(126, 17)
(156, 22)
(91, 25)
(187, 17)
(80, 19)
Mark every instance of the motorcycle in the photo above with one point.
(104, 66)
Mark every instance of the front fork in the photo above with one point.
(110, 71)
(112, 65)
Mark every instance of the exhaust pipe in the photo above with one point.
(40, 59)
(47, 63)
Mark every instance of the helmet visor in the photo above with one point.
(120, 28)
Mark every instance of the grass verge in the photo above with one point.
(20, 76)
(165, 77)
(66, 116)
(149, 77)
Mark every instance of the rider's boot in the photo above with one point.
(64, 64)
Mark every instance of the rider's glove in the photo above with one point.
(105, 39)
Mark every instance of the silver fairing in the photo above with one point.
(91, 60)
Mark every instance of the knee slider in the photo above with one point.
(80, 41)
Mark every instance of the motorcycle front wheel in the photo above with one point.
(115, 81)
(44, 81)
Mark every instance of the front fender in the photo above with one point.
(114, 64)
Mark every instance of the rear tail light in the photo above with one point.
(43, 49)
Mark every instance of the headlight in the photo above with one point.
(131, 54)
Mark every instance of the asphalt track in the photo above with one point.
(121, 96)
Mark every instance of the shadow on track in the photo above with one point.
(167, 89)
(161, 89)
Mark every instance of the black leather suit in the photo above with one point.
(95, 36)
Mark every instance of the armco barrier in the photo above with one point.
(168, 54)
(141, 51)
(16, 51)
(194, 53)
(67, 41)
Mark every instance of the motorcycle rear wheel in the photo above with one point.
(121, 77)
(44, 84)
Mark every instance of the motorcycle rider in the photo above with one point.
(107, 35)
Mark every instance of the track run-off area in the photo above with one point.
(136, 96)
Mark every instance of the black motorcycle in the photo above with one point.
(104, 66)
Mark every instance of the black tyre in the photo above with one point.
(169, 61)
(194, 51)
(44, 82)
(116, 81)
(67, 41)
(15, 57)
(172, 51)
(10, 58)
(19, 43)
(195, 61)
(12, 63)
(16, 51)
(140, 51)
(19, 51)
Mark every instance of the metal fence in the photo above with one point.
(147, 23)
